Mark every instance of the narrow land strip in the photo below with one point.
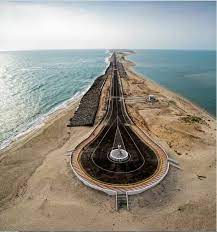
(40, 191)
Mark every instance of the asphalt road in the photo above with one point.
(142, 162)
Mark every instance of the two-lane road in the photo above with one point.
(146, 163)
(142, 161)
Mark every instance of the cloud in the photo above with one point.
(57, 25)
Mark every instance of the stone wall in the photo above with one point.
(86, 112)
(121, 70)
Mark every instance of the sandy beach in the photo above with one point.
(40, 192)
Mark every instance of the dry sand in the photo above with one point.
(40, 192)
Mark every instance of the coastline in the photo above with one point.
(46, 119)
(191, 143)
(131, 65)
(40, 192)
(38, 128)
(51, 134)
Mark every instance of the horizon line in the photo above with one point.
(49, 49)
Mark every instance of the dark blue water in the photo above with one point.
(35, 83)
(188, 73)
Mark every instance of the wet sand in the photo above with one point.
(40, 192)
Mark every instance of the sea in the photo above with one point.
(190, 73)
(34, 84)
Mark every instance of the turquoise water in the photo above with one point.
(191, 74)
(36, 83)
(33, 84)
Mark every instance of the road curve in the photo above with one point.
(147, 162)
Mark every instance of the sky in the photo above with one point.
(35, 24)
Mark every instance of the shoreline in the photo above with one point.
(40, 122)
(44, 120)
(37, 127)
(130, 65)
(40, 192)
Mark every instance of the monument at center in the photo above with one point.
(119, 155)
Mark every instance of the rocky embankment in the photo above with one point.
(121, 70)
(86, 112)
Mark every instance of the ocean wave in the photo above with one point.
(32, 69)
(41, 120)
(38, 120)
